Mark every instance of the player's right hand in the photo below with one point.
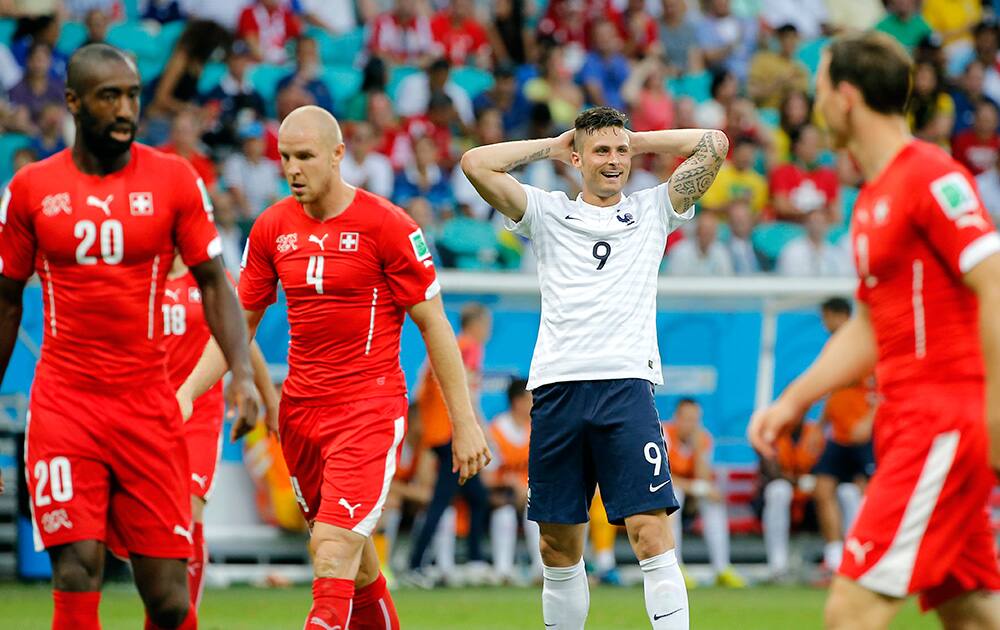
(469, 451)
(768, 423)
(246, 405)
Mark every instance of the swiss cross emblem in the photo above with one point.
(140, 204)
(54, 204)
(348, 241)
(194, 295)
(286, 242)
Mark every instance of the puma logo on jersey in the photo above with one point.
(318, 241)
(184, 533)
(173, 295)
(854, 547)
(103, 204)
(316, 621)
(350, 508)
(201, 480)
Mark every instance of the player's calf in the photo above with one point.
(979, 610)
(163, 587)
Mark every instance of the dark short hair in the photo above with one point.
(877, 65)
(786, 29)
(518, 387)
(595, 118)
(83, 62)
(686, 401)
(471, 312)
(837, 305)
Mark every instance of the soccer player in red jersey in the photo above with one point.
(928, 299)
(352, 265)
(185, 333)
(106, 460)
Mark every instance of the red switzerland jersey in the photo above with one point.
(102, 247)
(185, 330)
(916, 229)
(348, 281)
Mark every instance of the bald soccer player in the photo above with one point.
(352, 265)
(106, 458)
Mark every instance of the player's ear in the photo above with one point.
(72, 101)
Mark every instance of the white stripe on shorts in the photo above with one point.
(367, 524)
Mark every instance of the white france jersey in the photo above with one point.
(597, 270)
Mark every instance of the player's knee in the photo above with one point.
(779, 491)
(836, 613)
(168, 608)
(75, 570)
(558, 552)
(826, 488)
(336, 551)
(649, 534)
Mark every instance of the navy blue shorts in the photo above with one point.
(590, 433)
(846, 462)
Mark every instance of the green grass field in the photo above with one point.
(244, 608)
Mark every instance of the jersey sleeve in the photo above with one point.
(194, 228)
(258, 284)
(668, 215)
(406, 260)
(532, 211)
(955, 223)
(17, 234)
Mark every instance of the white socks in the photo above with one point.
(777, 523)
(532, 539)
(849, 497)
(604, 561)
(666, 597)
(503, 538)
(566, 597)
(676, 524)
(444, 543)
(715, 523)
(833, 553)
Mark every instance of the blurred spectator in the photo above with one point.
(967, 93)
(392, 140)
(977, 147)
(229, 232)
(605, 70)
(742, 121)
(362, 166)
(795, 111)
(185, 133)
(738, 181)
(640, 177)
(852, 16)
(775, 74)
(414, 93)
(905, 23)
(232, 102)
(288, 100)
(96, 22)
(38, 88)
(740, 244)
(811, 255)
(645, 91)
(638, 31)
(402, 35)
(459, 36)
(488, 130)
(703, 255)
(931, 109)
(250, 177)
(468, 243)
(566, 24)
(335, 17)
(10, 72)
(726, 40)
(49, 140)
(724, 90)
(678, 37)
(953, 21)
(809, 17)
(548, 174)
(803, 186)
(424, 178)
(988, 183)
(556, 88)
(77, 10)
(986, 44)
(374, 81)
(163, 11)
(226, 13)
(177, 87)
(308, 68)
(505, 96)
(439, 124)
(21, 158)
(41, 29)
(510, 36)
(423, 215)
(267, 26)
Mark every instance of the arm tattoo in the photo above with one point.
(534, 157)
(695, 175)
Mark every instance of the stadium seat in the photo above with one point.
(473, 80)
(9, 144)
(342, 81)
(135, 36)
(264, 77)
(396, 76)
(7, 28)
(769, 116)
(809, 54)
(770, 238)
(131, 9)
(466, 239)
(339, 49)
(210, 76)
(71, 36)
(169, 33)
(696, 86)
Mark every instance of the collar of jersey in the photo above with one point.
(599, 210)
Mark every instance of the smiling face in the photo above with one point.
(604, 158)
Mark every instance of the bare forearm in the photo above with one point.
(225, 319)
(507, 156)
(677, 142)
(442, 350)
(10, 320)
(989, 339)
(706, 151)
(262, 377)
(847, 357)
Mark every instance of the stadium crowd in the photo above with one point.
(416, 82)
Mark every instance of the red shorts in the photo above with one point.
(110, 467)
(342, 458)
(923, 526)
(203, 436)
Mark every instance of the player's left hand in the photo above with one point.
(246, 406)
(469, 451)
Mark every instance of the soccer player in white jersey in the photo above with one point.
(596, 360)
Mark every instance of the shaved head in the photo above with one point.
(311, 122)
(90, 64)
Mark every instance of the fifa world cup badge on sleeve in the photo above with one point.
(420, 248)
